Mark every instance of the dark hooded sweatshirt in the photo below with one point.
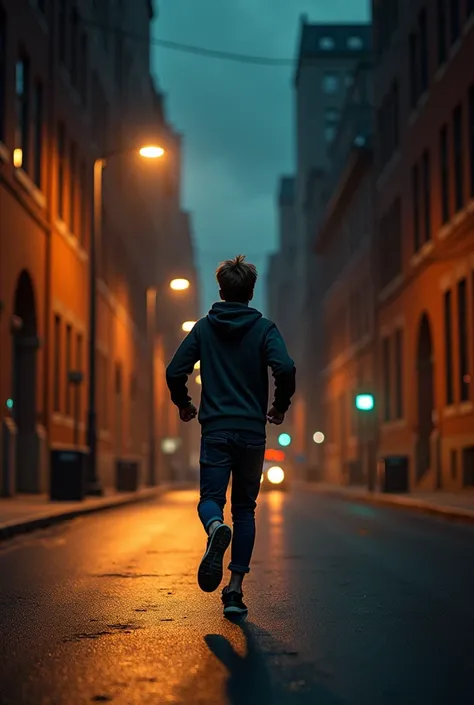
(235, 345)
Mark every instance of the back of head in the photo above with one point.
(236, 279)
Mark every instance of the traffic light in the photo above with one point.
(365, 402)
(284, 439)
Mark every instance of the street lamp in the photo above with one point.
(152, 298)
(148, 152)
(188, 326)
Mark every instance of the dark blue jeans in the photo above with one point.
(240, 454)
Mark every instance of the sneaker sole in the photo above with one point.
(234, 611)
(210, 571)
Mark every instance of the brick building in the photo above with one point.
(327, 57)
(424, 212)
(344, 242)
(74, 91)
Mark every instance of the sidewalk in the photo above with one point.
(447, 505)
(28, 512)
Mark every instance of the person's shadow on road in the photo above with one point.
(250, 681)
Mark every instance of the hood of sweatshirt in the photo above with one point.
(232, 319)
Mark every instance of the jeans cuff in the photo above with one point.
(238, 568)
(209, 522)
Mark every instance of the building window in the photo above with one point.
(385, 23)
(444, 176)
(463, 341)
(442, 23)
(453, 458)
(399, 374)
(83, 69)
(388, 126)
(57, 364)
(355, 43)
(448, 348)
(3, 61)
(471, 137)
(390, 245)
(62, 30)
(426, 171)
(458, 158)
(415, 181)
(330, 83)
(83, 201)
(454, 19)
(327, 43)
(67, 385)
(61, 168)
(74, 48)
(72, 188)
(22, 84)
(414, 91)
(38, 132)
(331, 119)
(386, 367)
(424, 56)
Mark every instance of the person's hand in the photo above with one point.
(188, 414)
(275, 417)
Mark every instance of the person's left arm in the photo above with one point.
(180, 367)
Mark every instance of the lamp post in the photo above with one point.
(148, 152)
(176, 285)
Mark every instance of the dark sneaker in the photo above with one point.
(233, 603)
(210, 571)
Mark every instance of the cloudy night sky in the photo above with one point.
(237, 118)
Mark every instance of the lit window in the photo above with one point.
(331, 83)
(355, 43)
(327, 43)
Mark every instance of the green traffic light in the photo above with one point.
(284, 439)
(364, 402)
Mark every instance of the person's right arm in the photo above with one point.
(283, 369)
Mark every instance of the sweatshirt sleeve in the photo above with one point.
(283, 369)
(180, 367)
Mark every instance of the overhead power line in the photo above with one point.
(193, 49)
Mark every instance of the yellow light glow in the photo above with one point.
(152, 151)
(198, 379)
(17, 158)
(275, 475)
(197, 366)
(188, 326)
(318, 437)
(179, 284)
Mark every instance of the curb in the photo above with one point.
(17, 527)
(403, 503)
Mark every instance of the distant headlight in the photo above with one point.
(275, 475)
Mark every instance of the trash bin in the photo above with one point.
(394, 474)
(126, 476)
(68, 475)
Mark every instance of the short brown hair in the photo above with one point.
(236, 279)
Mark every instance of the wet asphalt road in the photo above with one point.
(350, 605)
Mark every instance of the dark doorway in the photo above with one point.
(25, 348)
(425, 398)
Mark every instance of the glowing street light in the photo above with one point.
(188, 326)
(18, 158)
(179, 284)
(151, 151)
(318, 438)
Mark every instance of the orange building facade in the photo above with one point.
(74, 92)
(424, 196)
